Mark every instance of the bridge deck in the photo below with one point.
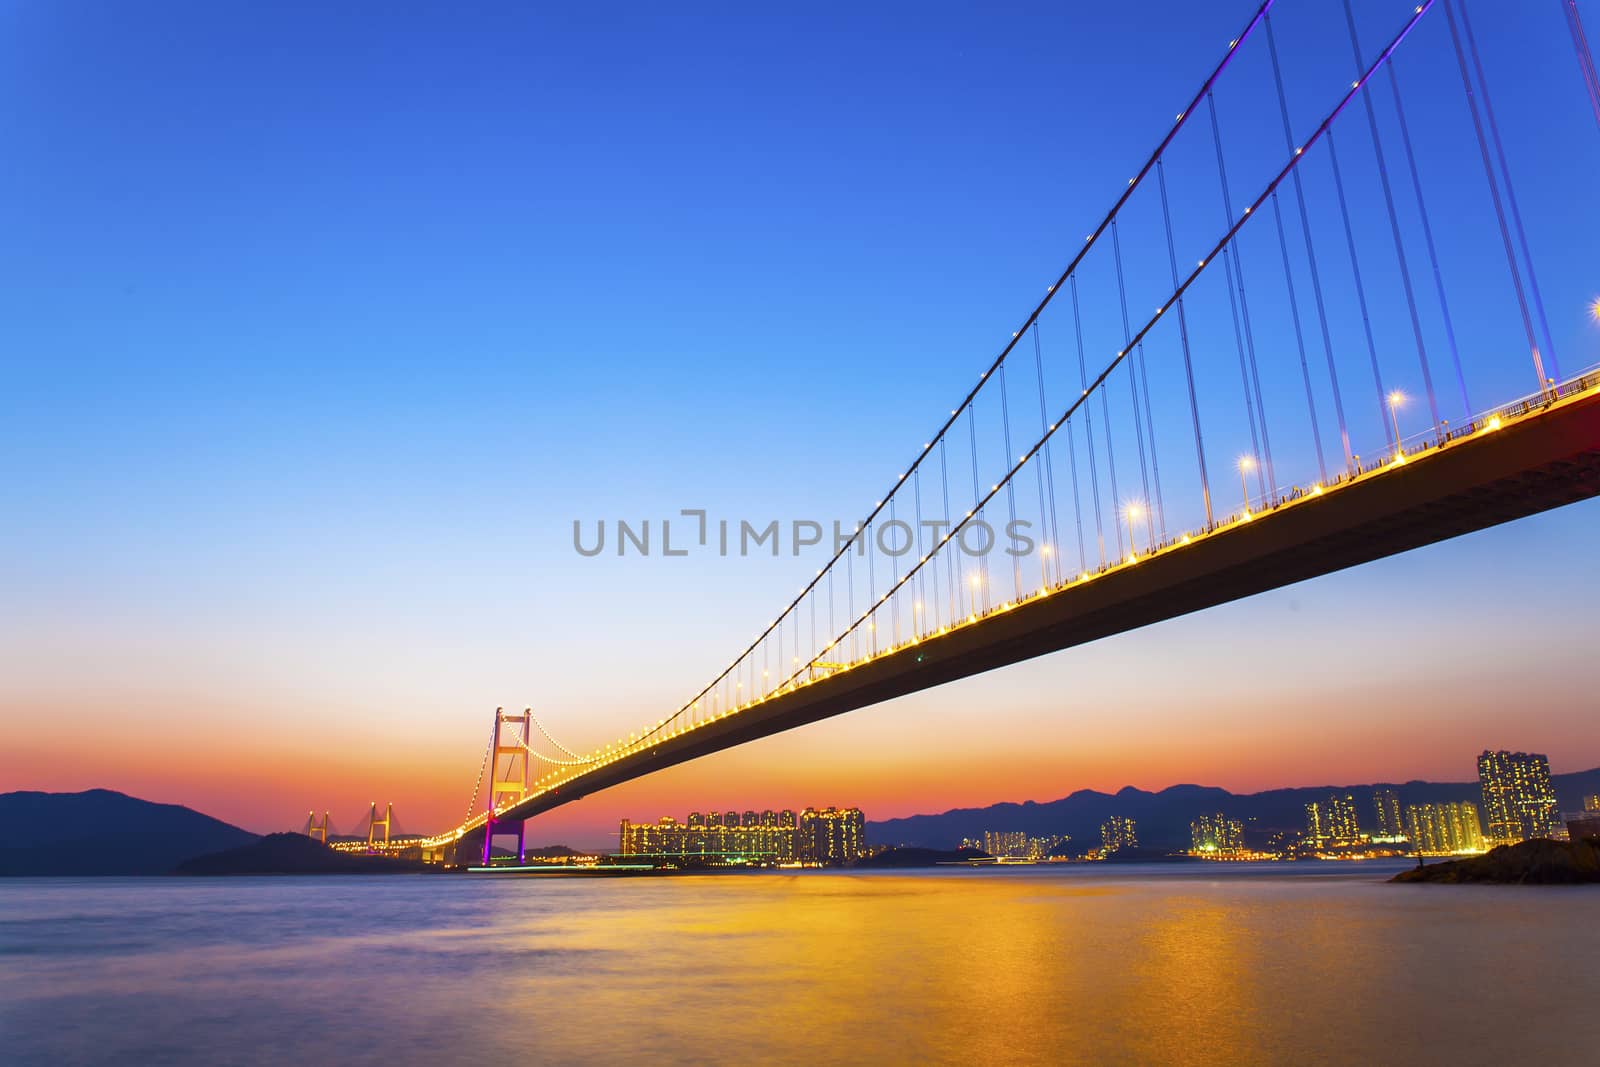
(1546, 459)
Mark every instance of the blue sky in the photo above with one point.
(321, 327)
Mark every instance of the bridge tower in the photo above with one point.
(510, 773)
(316, 829)
(374, 822)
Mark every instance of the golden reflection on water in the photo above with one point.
(959, 968)
(967, 967)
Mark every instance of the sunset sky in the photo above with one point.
(322, 326)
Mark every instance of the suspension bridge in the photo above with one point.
(1211, 400)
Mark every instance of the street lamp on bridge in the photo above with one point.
(1397, 400)
(1246, 465)
(1133, 509)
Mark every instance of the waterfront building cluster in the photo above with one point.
(1450, 829)
(1516, 801)
(1017, 845)
(1216, 836)
(814, 837)
(1118, 834)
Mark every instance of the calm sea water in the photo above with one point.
(1301, 964)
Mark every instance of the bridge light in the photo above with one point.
(1494, 422)
(1396, 400)
(1594, 309)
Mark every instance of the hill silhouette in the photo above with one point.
(102, 832)
(293, 854)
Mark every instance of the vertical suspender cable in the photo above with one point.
(1011, 486)
(1088, 423)
(952, 579)
(1494, 194)
(872, 592)
(1427, 237)
(1111, 466)
(1077, 503)
(978, 505)
(1183, 336)
(1150, 426)
(1133, 383)
(1511, 195)
(1311, 256)
(1233, 270)
(922, 579)
(1394, 224)
(1046, 474)
(850, 593)
(1299, 342)
(894, 564)
(1361, 290)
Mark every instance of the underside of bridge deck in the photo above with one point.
(1529, 466)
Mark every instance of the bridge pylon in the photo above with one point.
(510, 774)
(316, 829)
(374, 822)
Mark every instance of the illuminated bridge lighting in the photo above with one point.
(1122, 532)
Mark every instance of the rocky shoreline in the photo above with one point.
(1527, 863)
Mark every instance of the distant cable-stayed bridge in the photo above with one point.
(1261, 373)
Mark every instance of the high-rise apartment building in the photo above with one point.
(1519, 801)
(1444, 829)
(1216, 835)
(1386, 806)
(1332, 822)
(1591, 802)
(1005, 844)
(831, 835)
(1118, 833)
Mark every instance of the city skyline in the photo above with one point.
(371, 549)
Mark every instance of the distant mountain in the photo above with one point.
(101, 832)
(1162, 819)
(294, 854)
